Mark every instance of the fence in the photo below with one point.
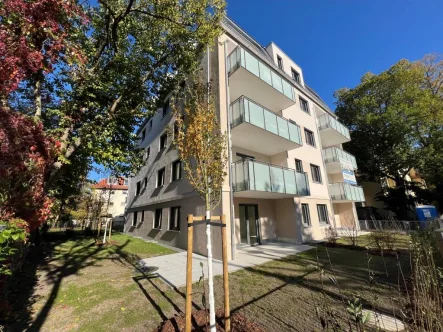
(394, 225)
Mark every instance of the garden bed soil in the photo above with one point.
(239, 323)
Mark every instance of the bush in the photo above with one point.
(384, 239)
(331, 235)
(350, 235)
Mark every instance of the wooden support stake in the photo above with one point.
(188, 310)
(225, 274)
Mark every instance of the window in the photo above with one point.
(126, 182)
(148, 153)
(306, 218)
(176, 170)
(298, 165)
(143, 134)
(161, 177)
(158, 218)
(163, 141)
(295, 75)
(174, 219)
(134, 219)
(165, 108)
(111, 203)
(322, 213)
(315, 172)
(138, 188)
(112, 192)
(126, 200)
(304, 105)
(142, 216)
(145, 182)
(150, 124)
(279, 62)
(124, 192)
(309, 136)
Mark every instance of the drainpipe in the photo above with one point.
(231, 194)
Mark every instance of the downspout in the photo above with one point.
(231, 194)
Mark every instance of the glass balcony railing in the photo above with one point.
(241, 58)
(346, 192)
(245, 110)
(333, 153)
(327, 121)
(259, 176)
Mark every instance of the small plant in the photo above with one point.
(12, 237)
(350, 235)
(355, 310)
(331, 235)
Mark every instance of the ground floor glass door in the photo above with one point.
(249, 229)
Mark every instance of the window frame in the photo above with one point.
(173, 170)
(306, 221)
(134, 219)
(142, 219)
(309, 132)
(326, 222)
(165, 108)
(300, 163)
(138, 188)
(160, 211)
(143, 134)
(295, 77)
(165, 136)
(280, 62)
(163, 170)
(303, 101)
(172, 216)
(316, 167)
(145, 182)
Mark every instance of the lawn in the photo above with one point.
(77, 286)
(401, 241)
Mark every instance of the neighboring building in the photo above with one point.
(114, 189)
(288, 172)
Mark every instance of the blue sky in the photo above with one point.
(336, 41)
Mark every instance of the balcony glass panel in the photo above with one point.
(283, 130)
(277, 82)
(327, 121)
(254, 175)
(265, 73)
(245, 110)
(252, 64)
(287, 89)
(346, 192)
(333, 153)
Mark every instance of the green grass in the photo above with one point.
(401, 241)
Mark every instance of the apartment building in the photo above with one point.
(288, 176)
(114, 189)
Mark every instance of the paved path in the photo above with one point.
(172, 268)
(384, 322)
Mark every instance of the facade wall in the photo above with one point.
(117, 200)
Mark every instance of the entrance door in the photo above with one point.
(249, 229)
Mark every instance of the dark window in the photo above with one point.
(279, 62)
(158, 218)
(309, 136)
(305, 214)
(163, 140)
(165, 108)
(245, 156)
(143, 134)
(142, 216)
(161, 177)
(134, 219)
(322, 213)
(295, 75)
(111, 203)
(315, 172)
(124, 192)
(298, 165)
(176, 170)
(138, 188)
(145, 182)
(304, 105)
(148, 152)
(174, 219)
(150, 124)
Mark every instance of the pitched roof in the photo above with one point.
(103, 184)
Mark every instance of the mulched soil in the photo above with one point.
(200, 322)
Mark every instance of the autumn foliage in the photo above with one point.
(25, 153)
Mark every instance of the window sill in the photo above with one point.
(317, 182)
(160, 186)
(158, 229)
(308, 113)
(323, 224)
(314, 146)
(174, 230)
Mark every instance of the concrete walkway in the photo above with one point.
(172, 268)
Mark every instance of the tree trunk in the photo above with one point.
(38, 94)
(210, 274)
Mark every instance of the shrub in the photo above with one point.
(331, 235)
(350, 235)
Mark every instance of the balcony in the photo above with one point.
(254, 179)
(251, 77)
(345, 193)
(257, 129)
(336, 159)
(332, 131)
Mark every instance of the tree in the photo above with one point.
(202, 149)
(394, 118)
(130, 53)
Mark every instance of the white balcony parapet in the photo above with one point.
(334, 154)
(251, 175)
(245, 110)
(346, 192)
(328, 123)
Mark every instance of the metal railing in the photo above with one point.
(241, 58)
(245, 110)
(391, 225)
(346, 192)
(333, 153)
(258, 176)
(327, 121)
